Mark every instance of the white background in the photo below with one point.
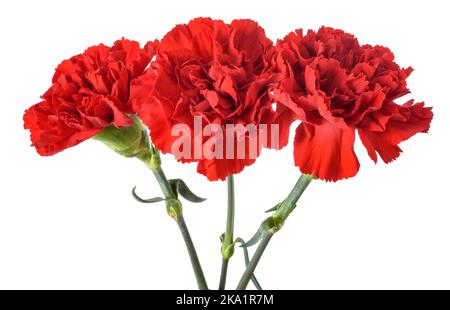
(69, 221)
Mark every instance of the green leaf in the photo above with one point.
(256, 238)
(180, 188)
(247, 261)
(273, 208)
(150, 200)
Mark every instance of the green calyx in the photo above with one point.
(130, 141)
(311, 176)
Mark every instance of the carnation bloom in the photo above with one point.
(335, 87)
(216, 72)
(89, 92)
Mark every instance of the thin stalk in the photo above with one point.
(246, 277)
(227, 243)
(247, 261)
(169, 194)
(230, 211)
(223, 274)
(164, 183)
(201, 281)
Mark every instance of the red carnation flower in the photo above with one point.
(217, 72)
(90, 91)
(335, 86)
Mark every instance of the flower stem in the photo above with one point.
(248, 273)
(230, 211)
(201, 281)
(164, 183)
(273, 224)
(175, 211)
(227, 243)
(223, 273)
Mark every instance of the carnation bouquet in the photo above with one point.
(216, 94)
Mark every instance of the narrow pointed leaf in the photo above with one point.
(247, 261)
(180, 188)
(256, 238)
(273, 208)
(150, 200)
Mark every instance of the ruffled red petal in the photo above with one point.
(410, 119)
(325, 151)
(51, 139)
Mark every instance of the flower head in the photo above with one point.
(336, 87)
(217, 72)
(89, 92)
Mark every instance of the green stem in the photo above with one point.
(164, 183)
(289, 204)
(201, 281)
(230, 211)
(248, 273)
(223, 273)
(273, 224)
(227, 243)
(176, 213)
(247, 261)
